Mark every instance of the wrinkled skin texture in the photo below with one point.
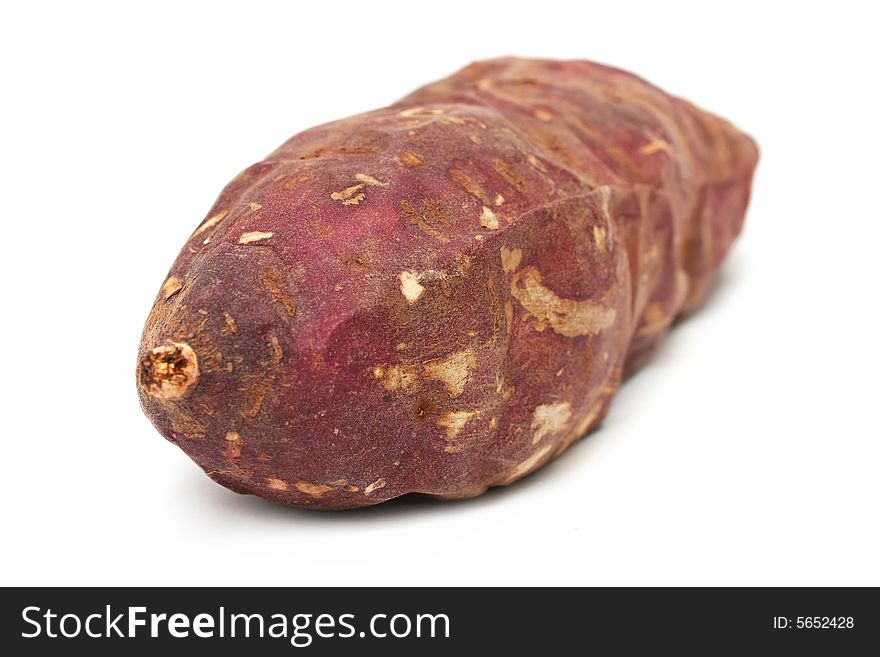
(443, 295)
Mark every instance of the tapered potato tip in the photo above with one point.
(169, 371)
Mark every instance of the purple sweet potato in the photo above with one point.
(442, 295)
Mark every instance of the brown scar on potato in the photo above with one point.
(230, 323)
(376, 485)
(453, 371)
(210, 222)
(488, 219)
(510, 259)
(346, 195)
(422, 219)
(233, 446)
(566, 317)
(254, 236)
(453, 422)
(549, 419)
(398, 377)
(529, 464)
(276, 484)
(272, 281)
(469, 185)
(315, 491)
(410, 159)
(410, 287)
(583, 425)
(510, 175)
(655, 146)
(171, 287)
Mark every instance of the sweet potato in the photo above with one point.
(442, 295)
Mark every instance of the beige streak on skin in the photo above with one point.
(453, 422)
(376, 485)
(655, 146)
(529, 464)
(454, 371)
(582, 426)
(566, 317)
(276, 484)
(550, 419)
(369, 180)
(315, 491)
(254, 236)
(211, 222)
(599, 237)
(171, 287)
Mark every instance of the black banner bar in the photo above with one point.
(332, 621)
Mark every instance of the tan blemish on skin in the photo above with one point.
(478, 237)
(488, 219)
(474, 138)
(276, 484)
(453, 371)
(605, 194)
(415, 111)
(510, 175)
(169, 371)
(312, 490)
(543, 115)
(369, 180)
(376, 485)
(599, 236)
(253, 207)
(398, 377)
(254, 236)
(510, 259)
(549, 419)
(453, 422)
(654, 146)
(536, 163)
(493, 423)
(410, 159)
(567, 317)
(499, 200)
(410, 287)
(346, 195)
(529, 464)
(582, 426)
(233, 446)
(171, 287)
(211, 222)
(230, 322)
(469, 185)
(277, 353)
(653, 319)
(420, 219)
(273, 282)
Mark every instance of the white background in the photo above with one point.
(746, 453)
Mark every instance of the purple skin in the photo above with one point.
(443, 295)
